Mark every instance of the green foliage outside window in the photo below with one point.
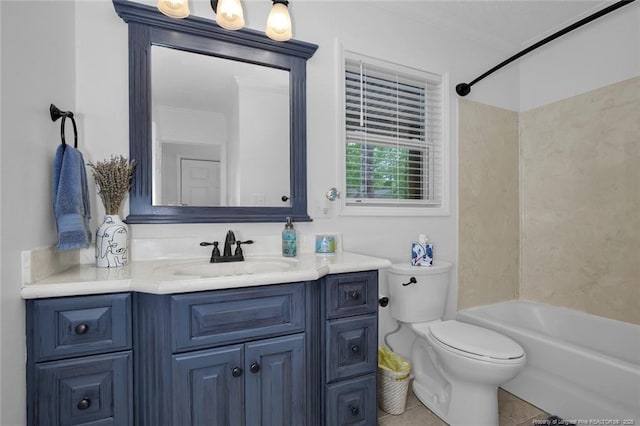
(382, 172)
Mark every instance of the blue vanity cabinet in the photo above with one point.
(80, 360)
(226, 357)
(298, 354)
(349, 336)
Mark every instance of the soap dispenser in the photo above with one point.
(289, 240)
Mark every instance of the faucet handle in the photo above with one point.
(238, 251)
(216, 251)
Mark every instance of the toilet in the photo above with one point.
(457, 367)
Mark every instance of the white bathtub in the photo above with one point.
(579, 366)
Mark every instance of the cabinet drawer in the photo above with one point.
(351, 347)
(351, 294)
(81, 325)
(90, 390)
(352, 402)
(207, 319)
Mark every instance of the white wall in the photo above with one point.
(263, 142)
(600, 53)
(1, 97)
(38, 68)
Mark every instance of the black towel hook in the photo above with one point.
(56, 113)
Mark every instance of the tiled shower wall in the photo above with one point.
(580, 169)
(488, 223)
(579, 230)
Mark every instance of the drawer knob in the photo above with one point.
(354, 411)
(82, 328)
(236, 372)
(355, 349)
(355, 295)
(84, 404)
(255, 367)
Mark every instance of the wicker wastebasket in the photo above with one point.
(393, 381)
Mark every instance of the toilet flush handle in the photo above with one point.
(412, 280)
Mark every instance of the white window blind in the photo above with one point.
(393, 133)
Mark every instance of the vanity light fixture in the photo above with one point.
(279, 21)
(174, 8)
(229, 14)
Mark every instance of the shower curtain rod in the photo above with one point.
(463, 89)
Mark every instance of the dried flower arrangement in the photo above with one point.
(113, 178)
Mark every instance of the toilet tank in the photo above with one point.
(422, 300)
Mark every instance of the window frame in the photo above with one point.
(391, 207)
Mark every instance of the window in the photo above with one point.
(393, 123)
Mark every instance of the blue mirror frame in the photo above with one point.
(147, 27)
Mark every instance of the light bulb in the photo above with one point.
(279, 23)
(229, 14)
(174, 8)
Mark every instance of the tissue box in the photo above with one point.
(422, 254)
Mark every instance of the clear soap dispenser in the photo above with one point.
(289, 240)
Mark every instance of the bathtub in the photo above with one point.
(579, 366)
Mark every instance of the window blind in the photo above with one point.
(393, 126)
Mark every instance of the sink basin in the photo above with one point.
(250, 266)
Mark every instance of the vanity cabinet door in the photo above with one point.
(208, 387)
(96, 390)
(276, 381)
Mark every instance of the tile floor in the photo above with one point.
(513, 412)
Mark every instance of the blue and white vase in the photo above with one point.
(112, 242)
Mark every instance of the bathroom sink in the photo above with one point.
(250, 266)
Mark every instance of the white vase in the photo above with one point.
(112, 242)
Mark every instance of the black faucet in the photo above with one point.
(230, 239)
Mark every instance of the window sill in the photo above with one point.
(393, 211)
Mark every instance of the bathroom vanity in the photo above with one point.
(293, 347)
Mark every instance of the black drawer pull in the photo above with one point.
(355, 349)
(82, 329)
(255, 367)
(84, 404)
(355, 295)
(354, 411)
(236, 372)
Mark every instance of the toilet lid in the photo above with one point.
(475, 340)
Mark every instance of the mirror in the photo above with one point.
(217, 124)
(217, 121)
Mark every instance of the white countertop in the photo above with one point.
(160, 277)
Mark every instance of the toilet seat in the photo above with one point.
(472, 341)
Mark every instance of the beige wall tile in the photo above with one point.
(488, 257)
(580, 170)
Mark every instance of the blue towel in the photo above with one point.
(71, 199)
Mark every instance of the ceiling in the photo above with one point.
(506, 24)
